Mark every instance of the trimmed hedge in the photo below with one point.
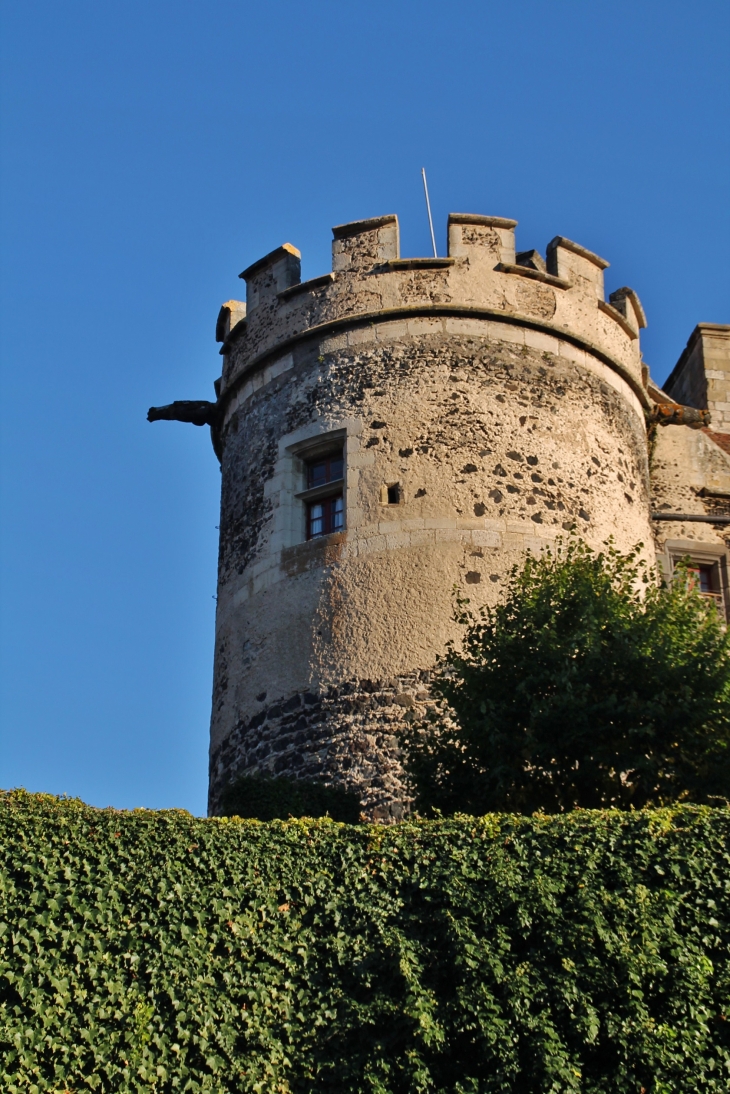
(158, 952)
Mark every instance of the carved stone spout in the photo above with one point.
(676, 414)
(195, 411)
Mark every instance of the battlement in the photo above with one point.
(482, 277)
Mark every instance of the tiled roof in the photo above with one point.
(722, 440)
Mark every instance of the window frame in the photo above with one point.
(323, 449)
(702, 555)
(336, 456)
(328, 516)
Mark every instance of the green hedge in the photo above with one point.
(158, 952)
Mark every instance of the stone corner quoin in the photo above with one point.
(399, 426)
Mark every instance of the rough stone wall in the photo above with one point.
(690, 474)
(344, 734)
(500, 436)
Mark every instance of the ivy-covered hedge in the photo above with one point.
(158, 952)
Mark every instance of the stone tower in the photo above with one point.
(403, 427)
(389, 431)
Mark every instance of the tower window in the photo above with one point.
(324, 494)
(325, 516)
(315, 468)
(328, 469)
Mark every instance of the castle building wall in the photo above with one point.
(482, 407)
(690, 468)
(701, 377)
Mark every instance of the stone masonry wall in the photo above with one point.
(345, 734)
(500, 438)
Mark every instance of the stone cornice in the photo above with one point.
(426, 311)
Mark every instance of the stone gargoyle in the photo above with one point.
(195, 411)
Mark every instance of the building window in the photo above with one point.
(324, 517)
(701, 576)
(707, 570)
(323, 497)
(706, 578)
(329, 469)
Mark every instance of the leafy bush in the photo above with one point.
(265, 797)
(592, 685)
(157, 952)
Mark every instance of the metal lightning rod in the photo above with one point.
(428, 209)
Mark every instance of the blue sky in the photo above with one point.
(151, 151)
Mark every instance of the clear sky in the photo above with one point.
(150, 151)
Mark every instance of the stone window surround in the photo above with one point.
(287, 487)
(712, 554)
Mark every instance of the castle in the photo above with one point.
(402, 426)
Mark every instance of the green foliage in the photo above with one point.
(587, 952)
(592, 685)
(277, 798)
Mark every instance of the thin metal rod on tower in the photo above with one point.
(428, 209)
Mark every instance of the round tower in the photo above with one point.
(387, 432)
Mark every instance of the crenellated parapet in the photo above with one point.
(482, 278)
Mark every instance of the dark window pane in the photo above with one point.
(325, 516)
(702, 578)
(323, 471)
(317, 474)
